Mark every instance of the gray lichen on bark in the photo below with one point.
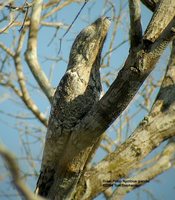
(76, 94)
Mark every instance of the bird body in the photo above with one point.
(77, 92)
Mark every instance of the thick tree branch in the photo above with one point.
(162, 16)
(135, 23)
(118, 164)
(167, 157)
(31, 52)
(137, 67)
(76, 130)
(154, 129)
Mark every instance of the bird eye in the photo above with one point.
(109, 18)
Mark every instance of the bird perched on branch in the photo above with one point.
(77, 92)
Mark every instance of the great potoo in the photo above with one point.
(77, 92)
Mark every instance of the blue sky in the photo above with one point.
(163, 186)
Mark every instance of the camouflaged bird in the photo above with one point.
(77, 92)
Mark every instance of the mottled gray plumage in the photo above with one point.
(162, 16)
(77, 92)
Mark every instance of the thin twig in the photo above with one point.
(25, 17)
(86, 1)
(8, 26)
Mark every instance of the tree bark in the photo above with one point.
(78, 118)
(152, 131)
(76, 94)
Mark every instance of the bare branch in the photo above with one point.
(43, 23)
(10, 24)
(70, 26)
(24, 8)
(135, 23)
(143, 140)
(51, 3)
(136, 69)
(7, 50)
(15, 172)
(80, 134)
(57, 8)
(31, 52)
(117, 20)
(8, 83)
(25, 17)
(121, 162)
(113, 49)
(161, 165)
(25, 95)
(162, 16)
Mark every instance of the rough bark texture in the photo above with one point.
(163, 15)
(158, 126)
(78, 118)
(31, 51)
(135, 20)
(77, 92)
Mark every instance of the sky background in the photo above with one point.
(12, 129)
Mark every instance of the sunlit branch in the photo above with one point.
(25, 95)
(31, 52)
(16, 176)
